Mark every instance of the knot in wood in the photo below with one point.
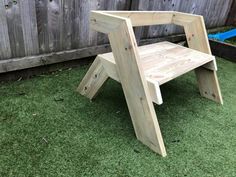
(128, 48)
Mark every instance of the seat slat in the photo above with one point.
(165, 61)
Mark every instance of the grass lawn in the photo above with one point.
(48, 129)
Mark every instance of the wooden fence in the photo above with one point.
(39, 32)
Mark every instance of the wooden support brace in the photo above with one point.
(93, 80)
(208, 84)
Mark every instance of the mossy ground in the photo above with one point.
(48, 129)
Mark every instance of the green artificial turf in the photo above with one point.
(48, 129)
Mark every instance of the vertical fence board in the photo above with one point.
(54, 20)
(15, 28)
(66, 30)
(29, 26)
(83, 37)
(5, 48)
(42, 25)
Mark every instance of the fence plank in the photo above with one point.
(54, 20)
(83, 37)
(66, 25)
(15, 28)
(29, 26)
(42, 25)
(5, 48)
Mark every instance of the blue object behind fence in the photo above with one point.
(223, 36)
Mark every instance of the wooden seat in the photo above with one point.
(141, 70)
(165, 61)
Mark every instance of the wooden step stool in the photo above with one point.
(141, 70)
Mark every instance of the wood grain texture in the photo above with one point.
(5, 48)
(29, 27)
(214, 11)
(93, 80)
(66, 24)
(46, 59)
(32, 27)
(165, 61)
(83, 36)
(132, 78)
(42, 25)
(15, 31)
(54, 19)
(135, 88)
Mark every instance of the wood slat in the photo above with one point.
(5, 48)
(42, 25)
(165, 61)
(54, 19)
(66, 24)
(15, 30)
(29, 27)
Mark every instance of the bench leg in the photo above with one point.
(208, 84)
(93, 80)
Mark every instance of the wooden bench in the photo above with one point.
(141, 70)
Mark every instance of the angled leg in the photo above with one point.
(208, 84)
(206, 75)
(93, 80)
(135, 88)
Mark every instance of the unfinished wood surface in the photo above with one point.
(206, 75)
(145, 18)
(141, 70)
(134, 83)
(165, 61)
(135, 87)
(215, 13)
(93, 80)
(109, 65)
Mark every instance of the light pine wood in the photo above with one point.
(163, 61)
(135, 87)
(141, 70)
(145, 18)
(93, 80)
(206, 75)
